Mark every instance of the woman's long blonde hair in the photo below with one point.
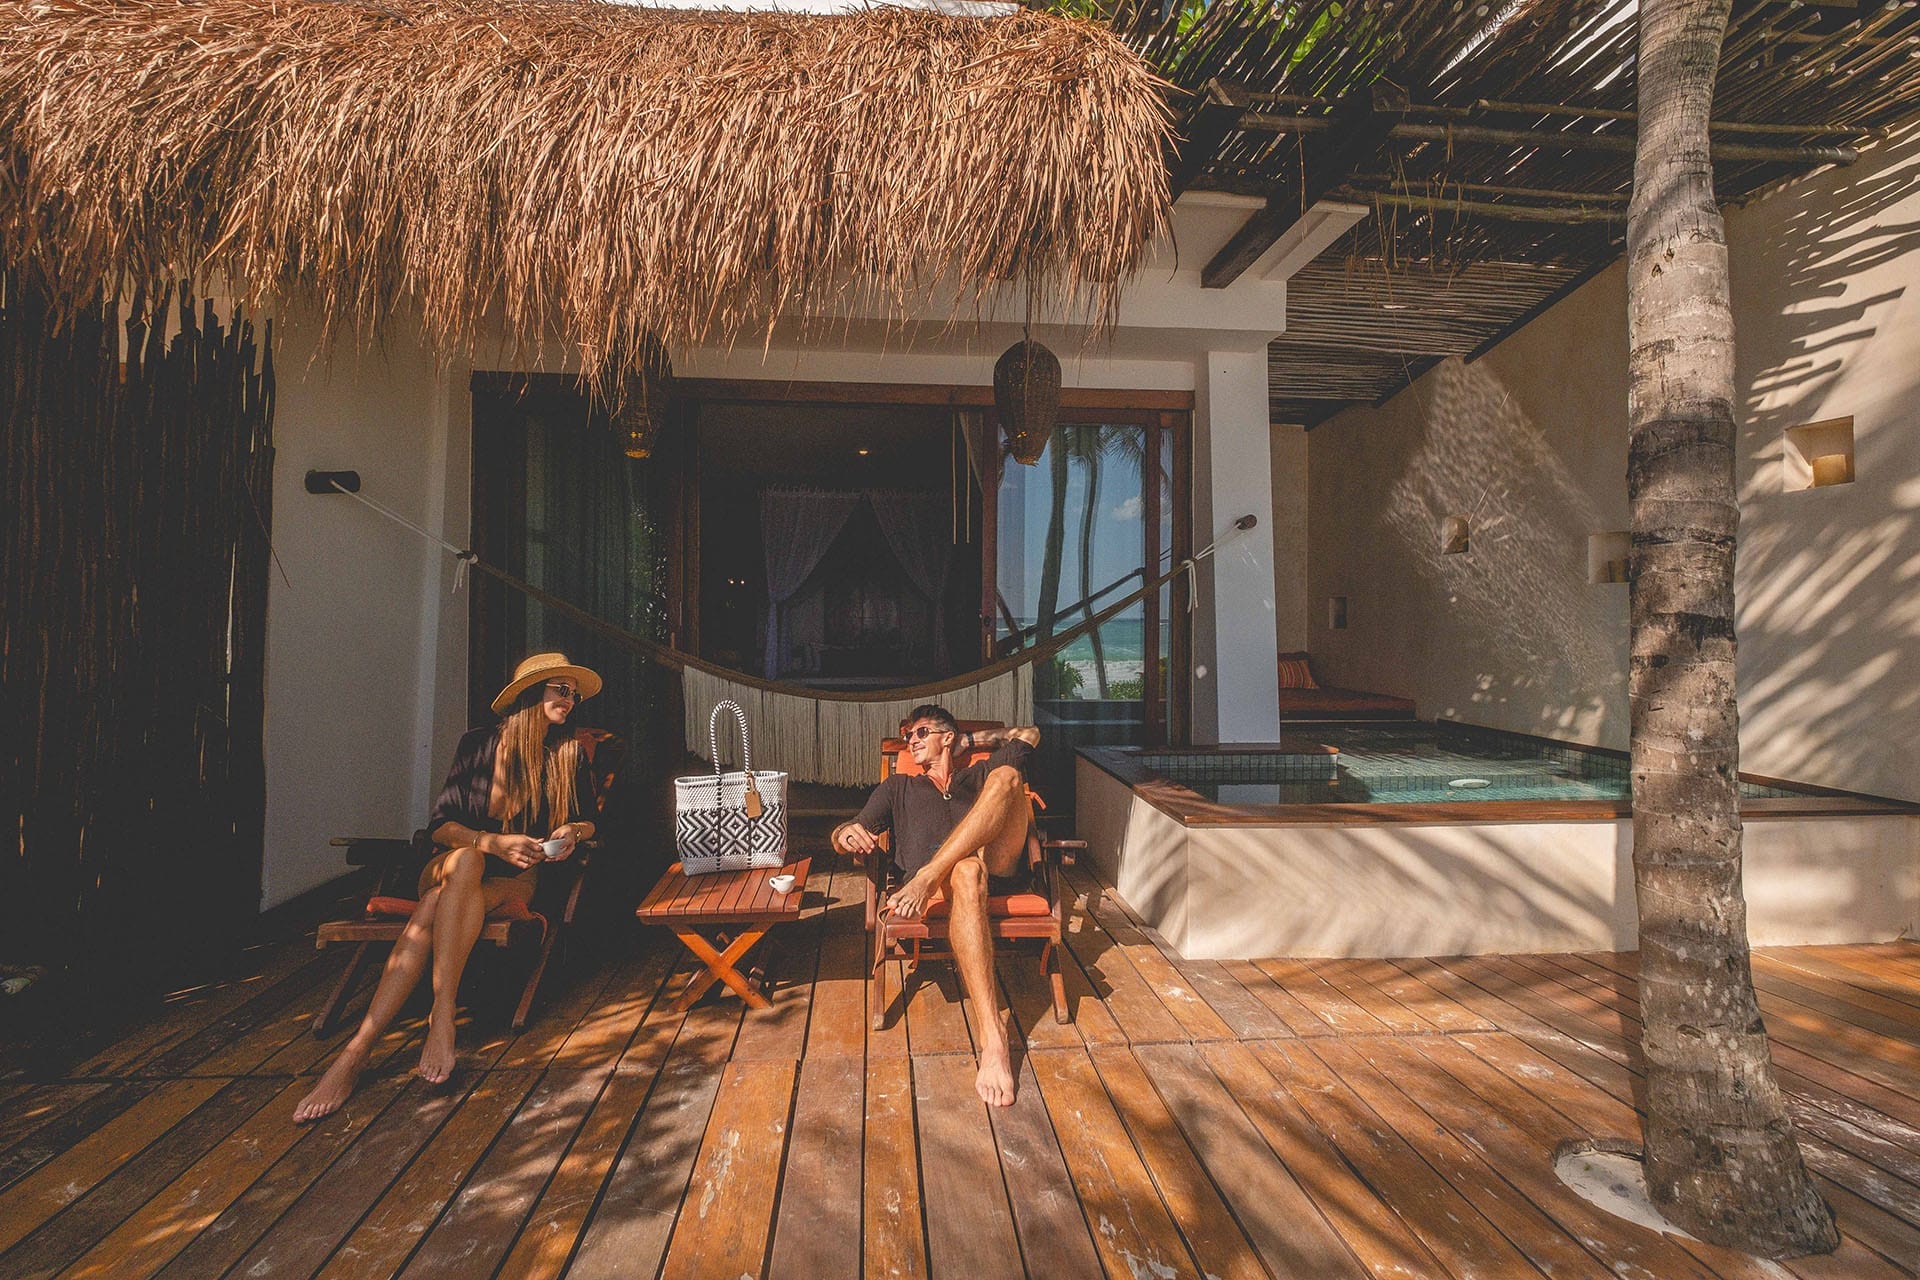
(532, 770)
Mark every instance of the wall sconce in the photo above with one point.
(1819, 454)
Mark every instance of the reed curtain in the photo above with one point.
(133, 600)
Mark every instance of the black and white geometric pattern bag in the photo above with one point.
(730, 821)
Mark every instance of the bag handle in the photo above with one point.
(754, 805)
(713, 736)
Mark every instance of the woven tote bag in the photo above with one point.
(730, 821)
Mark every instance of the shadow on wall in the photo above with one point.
(1828, 299)
(1517, 620)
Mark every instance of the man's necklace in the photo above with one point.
(946, 792)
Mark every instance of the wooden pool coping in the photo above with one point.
(1192, 809)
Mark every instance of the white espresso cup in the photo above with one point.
(553, 849)
(781, 883)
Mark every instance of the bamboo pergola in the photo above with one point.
(1494, 145)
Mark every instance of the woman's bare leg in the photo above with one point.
(405, 963)
(456, 927)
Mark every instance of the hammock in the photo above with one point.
(817, 735)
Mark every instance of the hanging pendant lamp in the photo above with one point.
(1026, 391)
(640, 409)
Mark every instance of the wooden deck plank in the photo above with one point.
(1332, 1007)
(1196, 1017)
(837, 1022)
(727, 1226)
(1371, 1076)
(1451, 1228)
(1212, 1234)
(1053, 1232)
(1129, 997)
(1469, 1095)
(33, 1106)
(817, 1232)
(1348, 978)
(1029, 999)
(779, 1032)
(188, 1205)
(380, 1242)
(1275, 1215)
(1876, 990)
(970, 1230)
(116, 1197)
(936, 1016)
(547, 1238)
(290, 1221)
(893, 1238)
(1419, 996)
(1552, 1102)
(1298, 1019)
(1133, 1231)
(59, 1181)
(628, 1231)
(1365, 1223)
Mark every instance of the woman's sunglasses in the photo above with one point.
(566, 691)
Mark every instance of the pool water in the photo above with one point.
(1407, 764)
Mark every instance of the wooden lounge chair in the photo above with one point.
(1013, 919)
(535, 929)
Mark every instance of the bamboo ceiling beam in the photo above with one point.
(1443, 185)
(1618, 143)
(1217, 116)
(1507, 212)
(1718, 126)
(1359, 128)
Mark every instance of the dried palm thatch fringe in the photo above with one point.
(580, 169)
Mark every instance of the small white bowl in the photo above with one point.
(553, 849)
(781, 883)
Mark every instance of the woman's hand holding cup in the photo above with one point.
(521, 851)
(559, 844)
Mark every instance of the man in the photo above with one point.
(955, 832)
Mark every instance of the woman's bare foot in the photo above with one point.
(437, 1057)
(335, 1086)
(994, 1084)
(910, 899)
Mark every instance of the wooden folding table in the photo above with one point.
(737, 907)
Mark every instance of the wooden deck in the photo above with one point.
(1283, 1118)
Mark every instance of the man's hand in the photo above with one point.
(521, 851)
(852, 838)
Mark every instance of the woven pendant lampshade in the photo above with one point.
(641, 408)
(1026, 391)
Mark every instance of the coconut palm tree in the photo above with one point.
(1720, 1155)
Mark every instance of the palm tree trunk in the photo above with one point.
(1056, 545)
(1720, 1154)
(1088, 512)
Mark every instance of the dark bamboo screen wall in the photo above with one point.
(133, 599)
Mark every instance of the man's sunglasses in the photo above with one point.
(922, 731)
(566, 691)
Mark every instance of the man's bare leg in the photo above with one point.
(405, 963)
(972, 944)
(456, 927)
(996, 828)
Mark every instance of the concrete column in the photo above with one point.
(1235, 687)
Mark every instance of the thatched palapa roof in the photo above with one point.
(582, 168)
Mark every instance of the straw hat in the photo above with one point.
(537, 669)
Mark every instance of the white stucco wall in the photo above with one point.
(1529, 444)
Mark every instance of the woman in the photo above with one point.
(508, 785)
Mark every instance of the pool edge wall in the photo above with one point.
(1471, 888)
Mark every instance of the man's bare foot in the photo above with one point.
(335, 1086)
(437, 1057)
(994, 1084)
(910, 899)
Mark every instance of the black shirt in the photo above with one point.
(467, 794)
(920, 817)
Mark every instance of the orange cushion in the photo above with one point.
(400, 908)
(1006, 904)
(1295, 673)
